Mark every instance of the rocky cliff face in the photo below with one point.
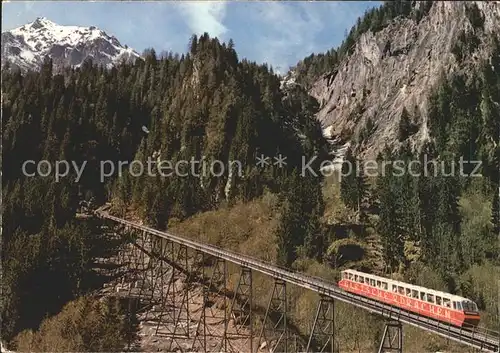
(396, 68)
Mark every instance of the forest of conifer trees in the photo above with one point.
(206, 104)
(442, 216)
(210, 104)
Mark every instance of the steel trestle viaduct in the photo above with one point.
(173, 250)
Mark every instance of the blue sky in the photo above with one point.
(279, 33)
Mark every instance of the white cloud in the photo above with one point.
(291, 31)
(295, 30)
(205, 16)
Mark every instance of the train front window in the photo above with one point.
(459, 306)
(469, 306)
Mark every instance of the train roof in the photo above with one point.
(452, 297)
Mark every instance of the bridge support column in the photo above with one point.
(171, 297)
(183, 295)
(144, 281)
(139, 267)
(159, 270)
(219, 281)
(276, 312)
(392, 339)
(241, 308)
(323, 330)
(215, 289)
(200, 334)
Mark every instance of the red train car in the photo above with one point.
(441, 306)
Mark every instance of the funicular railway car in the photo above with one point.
(441, 306)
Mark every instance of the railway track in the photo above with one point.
(479, 338)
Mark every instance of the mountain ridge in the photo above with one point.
(26, 46)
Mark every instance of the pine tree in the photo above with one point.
(390, 224)
(409, 199)
(353, 185)
(314, 240)
(490, 113)
(158, 211)
(495, 211)
(285, 234)
(299, 225)
(406, 127)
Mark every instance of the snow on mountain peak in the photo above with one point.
(41, 22)
(26, 46)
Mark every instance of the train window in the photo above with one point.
(430, 298)
(455, 305)
(350, 276)
(344, 275)
(372, 282)
(469, 306)
(394, 288)
(355, 278)
(446, 302)
(367, 281)
(459, 306)
(408, 292)
(401, 290)
(414, 293)
(379, 284)
(438, 300)
(385, 286)
(361, 279)
(422, 296)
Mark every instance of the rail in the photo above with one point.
(478, 338)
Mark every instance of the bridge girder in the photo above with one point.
(481, 339)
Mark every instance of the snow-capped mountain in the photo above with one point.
(26, 46)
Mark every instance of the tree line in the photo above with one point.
(205, 103)
(449, 220)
